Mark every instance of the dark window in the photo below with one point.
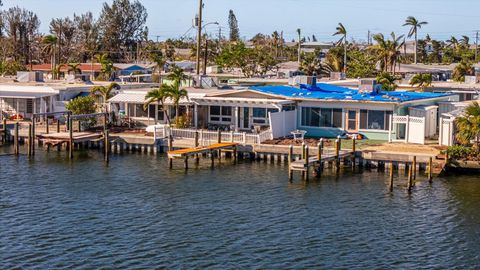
(140, 111)
(151, 112)
(337, 118)
(259, 112)
(215, 110)
(226, 111)
(363, 119)
(29, 105)
(387, 119)
(376, 120)
(325, 117)
(311, 117)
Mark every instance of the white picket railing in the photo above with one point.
(206, 137)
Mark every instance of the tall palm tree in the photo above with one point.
(421, 80)
(74, 68)
(465, 42)
(107, 65)
(299, 33)
(158, 95)
(177, 75)
(452, 42)
(388, 50)
(50, 44)
(468, 125)
(414, 26)
(342, 31)
(104, 93)
(176, 94)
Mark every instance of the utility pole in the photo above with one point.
(476, 45)
(368, 38)
(158, 37)
(199, 34)
(205, 60)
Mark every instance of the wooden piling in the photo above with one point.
(219, 136)
(234, 153)
(197, 158)
(409, 179)
(29, 140)
(33, 137)
(70, 133)
(290, 159)
(47, 128)
(185, 163)
(391, 177)
(430, 169)
(414, 166)
(58, 125)
(337, 153)
(4, 138)
(106, 145)
(354, 150)
(212, 159)
(306, 163)
(17, 140)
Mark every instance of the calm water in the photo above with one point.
(136, 214)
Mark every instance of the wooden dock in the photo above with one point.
(54, 139)
(189, 152)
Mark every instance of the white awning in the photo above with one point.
(247, 102)
(139, 98)
(24, 95)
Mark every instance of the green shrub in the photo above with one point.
(459, 152)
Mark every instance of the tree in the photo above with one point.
(104, 93)
(107, 66)
(388, 50)
(342, 31)
(50, 43)
(421, 80)
(155, 54)
(174, 92)
(312, 66)
(463, 68)
(121, 26)
(86, 39)
(414, 26)
(387, 81)
(74, 68)
(82, 105)
(465, 42)
(361, 64)
(468, 125)
(299, 33)
(158, 96)
(177, 75)
(64, 29)
(233, 24)
(453, 42)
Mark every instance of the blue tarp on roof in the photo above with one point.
(332, 92)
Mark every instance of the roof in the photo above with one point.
(138, 98)
(85, 67)
(330, 92)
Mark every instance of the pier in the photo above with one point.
(211, 149)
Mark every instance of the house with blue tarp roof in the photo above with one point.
(323, 110)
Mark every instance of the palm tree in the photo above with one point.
(465, 42)
(421, 80)
(341, 30)
(107, 65)
(74, 68)
(452, 42)
(311, 65)
(387, 81)
(177, 75)
(414, 26)
(388, 50)
(50, 43)
(176, 94)
(158, 96)
(104, 93)
(468, 125)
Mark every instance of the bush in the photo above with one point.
(459, 152)
(83, 105)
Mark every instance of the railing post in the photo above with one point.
(244, 138)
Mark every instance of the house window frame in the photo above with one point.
(262, 120)
(332, 121)
(222, 118)
(386, 120)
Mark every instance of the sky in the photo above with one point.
(173, 18)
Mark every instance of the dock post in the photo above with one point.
(197, 158)
(391, 177)
(185, 162)
(106, 146)
(58, 125)
(219, 137)
(430, 169)
(170, 142)
(290, 159)
(212, 158)
(354, 150)
(234, 154)
(29, 140)
(70, 142)
(33, 137)
(79, 125)
(414, 166)
(337, 153)
(17, 141)
(46, 127)
(306, 165)
(302, 157)
(4, 138)
(409, 179)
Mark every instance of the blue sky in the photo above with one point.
(172, 18)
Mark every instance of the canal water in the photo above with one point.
(137, 214)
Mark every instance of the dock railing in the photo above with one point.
(207, 137)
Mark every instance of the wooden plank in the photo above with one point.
(193, 151)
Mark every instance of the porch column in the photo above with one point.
(156, 114)
(390, 124)
(126, 109)
(235, 118)
(148, 114)
(195, 115)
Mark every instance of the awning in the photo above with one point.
(247, 102)
(139, 98)
(24, 95)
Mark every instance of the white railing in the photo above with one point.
(206, 137)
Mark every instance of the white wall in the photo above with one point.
(282, 123)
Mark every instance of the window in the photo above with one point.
(140, 111)
(374, 119)
(289, 107)
(317, 117)
(151, 112)
(259, 113)
(220, 113)
(29, 105)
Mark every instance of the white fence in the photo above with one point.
(447, 133)
(282, 123)
(206, 137)
(412, 129)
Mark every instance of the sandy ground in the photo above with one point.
(406, 148)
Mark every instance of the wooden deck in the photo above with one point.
(182, 153)
(302, 165)
(64, 137)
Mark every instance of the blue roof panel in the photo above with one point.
(324, 91)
